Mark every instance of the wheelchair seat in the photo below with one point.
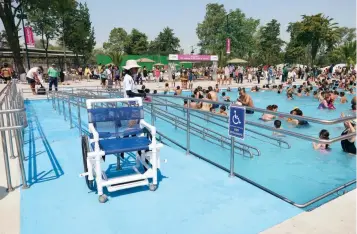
(122, 145)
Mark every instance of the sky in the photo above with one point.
(183, 16)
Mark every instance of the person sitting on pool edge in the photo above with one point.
(348, 145)
(246, 100)
(323, 135)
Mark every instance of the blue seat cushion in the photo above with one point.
(127, 132)
(122, 145)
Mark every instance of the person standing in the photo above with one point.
(53, 77)
(270, 73)
(131, 68)
(285, 74)
(33, 76)
(6, 73)
(87, 73)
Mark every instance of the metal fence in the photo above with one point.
(12, 124)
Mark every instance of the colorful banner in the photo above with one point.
(29, 39)
(192, 57)
(228, 46)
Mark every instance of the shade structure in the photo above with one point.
(237, 60)
(145, 60)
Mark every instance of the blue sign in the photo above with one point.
(237, 121)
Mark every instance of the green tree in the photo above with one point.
(9, 10)
(79, 33)
(269, 43)
(137, 43)
(118, 38)
(44, 20)
(317, 32)
(116, 57)
(214, 29)
(165, 43)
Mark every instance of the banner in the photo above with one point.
(228, 46)
(192, 57)
(29, 39)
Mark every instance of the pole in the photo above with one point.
(23, 28)
(231, 173)
(188, 127)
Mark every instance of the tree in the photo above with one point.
(79, 34)
(137, 43)
(269, 43)
(165, 43)
(317, 32)
(9, 9)
(116, 57)
(118, 37)
(45, 23)
(214, 29)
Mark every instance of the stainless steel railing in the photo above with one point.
(78, 101)
(222, 119)
(12, 123)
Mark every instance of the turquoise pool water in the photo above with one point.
(299, 173)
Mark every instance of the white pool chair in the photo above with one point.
(114, 131)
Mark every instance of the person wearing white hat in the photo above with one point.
(131, 68)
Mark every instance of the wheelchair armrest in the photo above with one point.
(151, 128)
(95, 134)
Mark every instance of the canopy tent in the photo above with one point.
(159, 64)
(145, 60)
(237, 60)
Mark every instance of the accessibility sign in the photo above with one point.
(237, 121)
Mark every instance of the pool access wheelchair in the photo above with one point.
(117, 126)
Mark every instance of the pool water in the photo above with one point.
(299, 173)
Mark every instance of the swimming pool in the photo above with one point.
(299, 173)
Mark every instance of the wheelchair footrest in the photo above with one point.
(126, 185)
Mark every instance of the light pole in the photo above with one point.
(22, 17)
(193, 49)
(228, 40)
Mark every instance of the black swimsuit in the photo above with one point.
(347, 146)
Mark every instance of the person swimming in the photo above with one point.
(323, 135)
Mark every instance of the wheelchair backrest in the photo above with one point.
(119, 120)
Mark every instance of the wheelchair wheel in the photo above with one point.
(85, 149)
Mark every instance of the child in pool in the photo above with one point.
(268, 117)
(166, 89)
(289, 96)
(277, 125)
(222, 110)
(323, 135)
(343, 99)
(325, 102)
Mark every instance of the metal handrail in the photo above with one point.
(208, 130)
(314, 120)
(78, 103)
(12, 123)
(215, 116)
(180, 120)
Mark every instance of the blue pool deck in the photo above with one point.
(193, 196)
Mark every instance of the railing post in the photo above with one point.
(64, 109)
(8, 120)
(69, 111)
(79, 117)
(5, 154)
(231, 174)
(152, 112)
(188, 128)
(58, 104)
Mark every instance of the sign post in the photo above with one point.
(236, 128)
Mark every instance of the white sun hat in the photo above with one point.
(131, 64)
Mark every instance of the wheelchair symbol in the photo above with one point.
(235, 118)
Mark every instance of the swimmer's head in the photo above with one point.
(277, 123)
